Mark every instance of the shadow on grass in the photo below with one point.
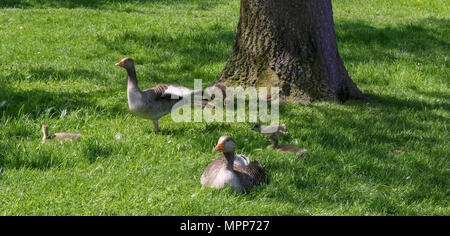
(422, 40)
(36, 103)
(51, 74)
(100, 4)
(94, 151)
(15, 157)
(357, 148)
(15, 102)
(396, 103)
(195, 51)
(436, 95)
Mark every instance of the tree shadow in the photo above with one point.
(396, 103)
(37, 102)
(43, 158)
(436, 95)
(196, 51)
(364, 153)
(422, 39)
(42, 73)
(388, 115)
(99, 4)
(94, 151)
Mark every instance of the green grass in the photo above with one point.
(59, 56)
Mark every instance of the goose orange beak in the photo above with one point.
(120, 63)
(219, 147)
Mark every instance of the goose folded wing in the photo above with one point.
(241, 160)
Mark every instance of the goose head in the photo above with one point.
(225, 144)
(126, 63)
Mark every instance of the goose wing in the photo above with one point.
(251, 175)
(172, 91)
(241, 160)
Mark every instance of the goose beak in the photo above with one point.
(219, 147)
(120, 63)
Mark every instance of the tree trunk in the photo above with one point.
(289, 44)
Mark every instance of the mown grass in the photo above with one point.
(386, 157)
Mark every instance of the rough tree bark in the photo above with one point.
(289, 44)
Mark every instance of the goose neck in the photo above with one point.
(132, 79)
(229, 156)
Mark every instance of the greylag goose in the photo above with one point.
(58, 136)
(224, 171)
(155, 102)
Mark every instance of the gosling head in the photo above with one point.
(126, 63)
(225, 144)
(256, 127)
(45, 132)
(45, 128)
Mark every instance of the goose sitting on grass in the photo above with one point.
(158, 101)
(224, 171)
(58, 136)
(285, 147)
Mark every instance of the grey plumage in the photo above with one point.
(156, 102)
(223, 171)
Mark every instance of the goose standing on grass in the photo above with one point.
(158, 101)
(224, 171)
(58, 136)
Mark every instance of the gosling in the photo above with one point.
(58, 136)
